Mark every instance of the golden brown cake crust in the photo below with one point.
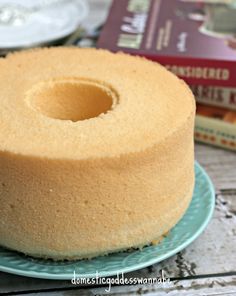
(73, 187)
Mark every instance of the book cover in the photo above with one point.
(215, 96)
(193, 39)
(216, 126)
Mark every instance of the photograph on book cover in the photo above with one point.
(195, 40)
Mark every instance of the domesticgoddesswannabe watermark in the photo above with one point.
(120, 279)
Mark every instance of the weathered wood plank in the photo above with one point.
(220, 165)
(15, 283)
(205, 287)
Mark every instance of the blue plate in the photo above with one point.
(186, 231)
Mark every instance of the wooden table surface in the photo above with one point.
(206, 267)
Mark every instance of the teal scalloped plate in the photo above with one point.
(186, 231)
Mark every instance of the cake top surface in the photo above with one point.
(85, 103)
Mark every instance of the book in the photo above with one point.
(193, 39)
(215, 96)
(216, 126)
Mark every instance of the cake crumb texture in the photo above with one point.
(96, 152)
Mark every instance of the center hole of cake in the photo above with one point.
(72, 100)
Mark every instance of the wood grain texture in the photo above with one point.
(207, 286)
(221, 166)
